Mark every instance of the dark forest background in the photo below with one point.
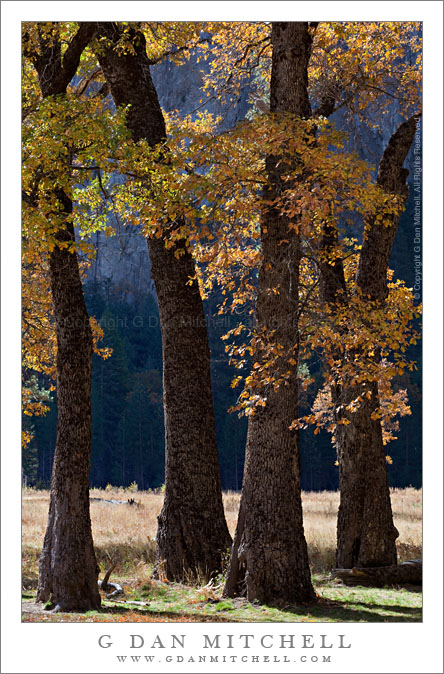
(127, 429)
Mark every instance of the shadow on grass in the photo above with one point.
(174, 615)
(338, 612)
(332, 610)
(347, 610)
(388, 607)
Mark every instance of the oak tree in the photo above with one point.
(269, 558)
(192, 535)
(68, 569)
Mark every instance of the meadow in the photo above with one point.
(128, 533)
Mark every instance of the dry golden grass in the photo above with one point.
(320, 513)
(130, 531)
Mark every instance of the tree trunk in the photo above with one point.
(366, 534)
(68, 569)
(269, 558)
(364, 492)
(192, 533)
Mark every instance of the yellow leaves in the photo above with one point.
(39, 346)
(389, 460)
(359, 332)
(26, 438)
(373, 62)
(236, 382)
(68, 142)
(98, 334)
(172, 37)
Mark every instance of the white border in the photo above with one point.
(73, 648)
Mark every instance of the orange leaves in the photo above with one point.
(215, 177)
(362, 66)
(238, 50)
(389, 405)
(357, 334)
(97, 334)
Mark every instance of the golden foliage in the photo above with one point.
(205, 187)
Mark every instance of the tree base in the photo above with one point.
(189, 545)
(70, 607)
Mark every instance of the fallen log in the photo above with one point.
(406, 573)
(118, 591)
(111, 500)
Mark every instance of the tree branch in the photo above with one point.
(391, 175)
(71, 58)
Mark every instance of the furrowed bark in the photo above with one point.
(366, 534)
(192, 533)
(68, 569)
(269, 558)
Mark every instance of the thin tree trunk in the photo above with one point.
(68, 569)
(366, 534)
(192, 533)
(269, 558)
